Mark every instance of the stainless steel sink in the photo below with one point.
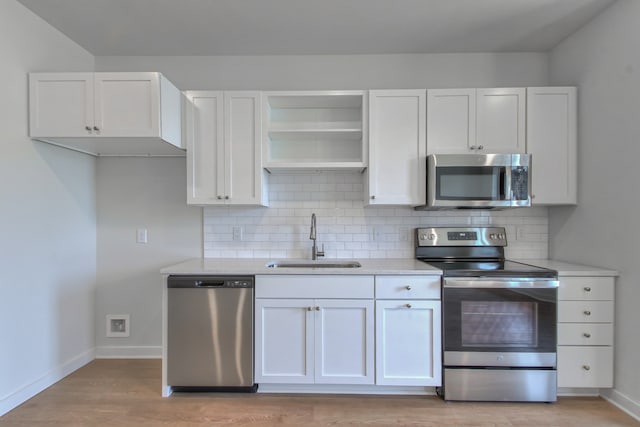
(313, 264)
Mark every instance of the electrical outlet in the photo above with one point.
(404, 234)
(238, 234)
(141, 235)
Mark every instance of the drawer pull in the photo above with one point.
(586, 367)
(586, 335)
(587, 313)
(408, 287)
(408, 305)
(309, 308)
(587, 289)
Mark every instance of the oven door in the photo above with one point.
(499, 322)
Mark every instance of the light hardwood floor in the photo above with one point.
(127, 393)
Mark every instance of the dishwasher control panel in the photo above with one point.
(210, 282)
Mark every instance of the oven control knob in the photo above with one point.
(501, 236)
(492, 236)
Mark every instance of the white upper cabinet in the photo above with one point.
(500, 120)
(100, 113)
(552, 143)
(397, 147)
(314, 130)
(224, 161)
(476, 120)
(451, 120)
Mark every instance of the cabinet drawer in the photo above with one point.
(314, 286)
(585, 366)
(585, 334)
(408, 287)
(586, 288)
(585, 312)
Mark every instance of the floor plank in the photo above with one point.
(127, 393)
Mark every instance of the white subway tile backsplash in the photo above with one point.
(346, 227)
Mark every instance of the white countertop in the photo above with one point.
(569, 269)
(257, 266)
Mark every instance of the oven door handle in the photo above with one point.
(514, 282)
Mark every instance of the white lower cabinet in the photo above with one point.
(323, 340)
(408, 331)
(284, 341)
(585, 332)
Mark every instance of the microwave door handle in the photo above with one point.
(507, 184)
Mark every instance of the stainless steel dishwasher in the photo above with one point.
(210, 333)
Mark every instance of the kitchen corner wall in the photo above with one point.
(346, 227)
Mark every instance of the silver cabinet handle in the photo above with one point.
(317, 308)
(309, 308)
(473, 147)
(373, 197)
(88, 128)
(586, 367)
(587, 313)
(408, 287)
(587, 289)
(96, 128)
(219, 197)
(480, 147)
(226, 197)
(586, 335)
(408, 305)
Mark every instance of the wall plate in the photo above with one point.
(118, 325)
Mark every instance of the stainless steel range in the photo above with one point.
(498, 317)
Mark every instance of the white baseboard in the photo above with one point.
(345, 389)
(623, 402)
(27, 391)
(129, 352)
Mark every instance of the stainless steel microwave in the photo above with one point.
(478, 181)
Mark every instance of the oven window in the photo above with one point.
(499, 319)
(470, 183)
(499, 324)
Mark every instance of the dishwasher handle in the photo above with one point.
(210, 282)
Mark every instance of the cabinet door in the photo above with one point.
(127, 104)
(205, 147)
(284, 341)
(451, 120)
(500, 120)
(552, 143)
(242, 148)
(344, 349)
(60, 104)
(408, 344)
(397, 147)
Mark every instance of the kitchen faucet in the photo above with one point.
(315, 253)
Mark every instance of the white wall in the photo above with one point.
(602, 60)
(340, 71)
(129, 190)
(136, 193)
(47, 222)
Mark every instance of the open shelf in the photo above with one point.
(315, 130)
